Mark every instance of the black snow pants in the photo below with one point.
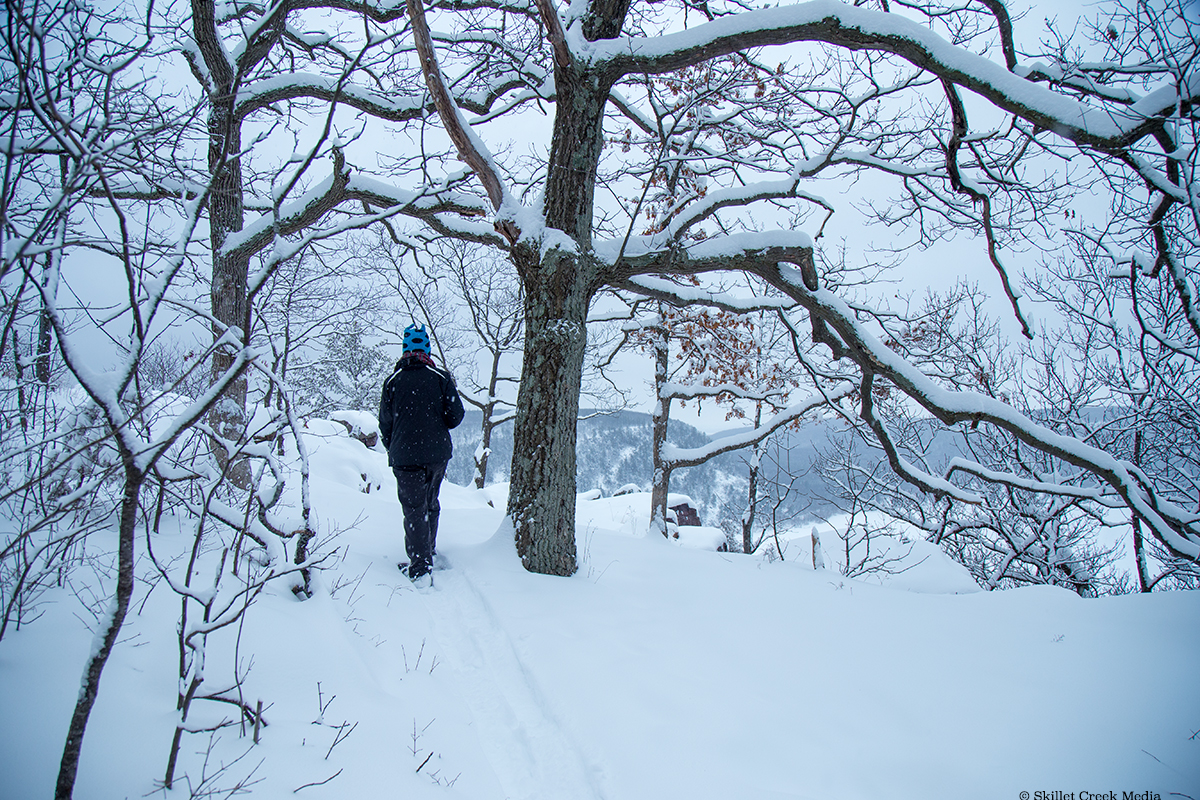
(418, 488)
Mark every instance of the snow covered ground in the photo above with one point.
(658, 671)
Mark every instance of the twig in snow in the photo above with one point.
(322, 705)
(318, 783)
(340, 737)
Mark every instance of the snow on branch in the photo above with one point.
(676, 295)
(1176, 527)
(691, 456)
(959, 464)
(697, 211)
(343, 186)
(294, 216)
(392, 107)
(857, 28)
(740, 251)
(680, 391)
(298, 85)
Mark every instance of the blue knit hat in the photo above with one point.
(416, 340)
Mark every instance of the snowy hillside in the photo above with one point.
(657, 671)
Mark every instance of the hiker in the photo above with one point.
(419, 406)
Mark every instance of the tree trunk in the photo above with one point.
(558, 285)
(485, 447)
(1139, 557)
(221, 76)
(1139, 545)
(485, 440)
(230, 305)
(105, 639)
(752, 495)
(751, 508)
(50, 278)
(661, 485)
(541, 500)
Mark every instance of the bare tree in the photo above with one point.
(870, 540)
(701, 354)
(858, 104)
(494, 327)
(220, 578)
(250, 61)
(851, 94)
(1016, 534)
(785, 466)
(75, 111)
(95, 138)
(1110, 379)
(321, 320)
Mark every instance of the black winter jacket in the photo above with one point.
(419, 406)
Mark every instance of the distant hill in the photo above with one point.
(614, 450)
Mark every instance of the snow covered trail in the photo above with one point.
(487, 693)
(655, 672)
(532, 755)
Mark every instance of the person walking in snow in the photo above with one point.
(419, 407)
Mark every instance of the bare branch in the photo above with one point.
(470, 148)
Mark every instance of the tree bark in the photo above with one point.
(541, 499)
(1139, 544)
(226, 212)
(485, 448)
(50, 277)
(228, 291)
(559, 285)
(660, 419)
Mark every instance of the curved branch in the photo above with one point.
(344, 187)
(679, 457)
(295, 217)
(960, 130)
(470, 149)
(208, 42)
(1004, 27)
(554, 32)
(1177, 528)
(855, 28)
(299, 86)
(791, 271)
(264, 34)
